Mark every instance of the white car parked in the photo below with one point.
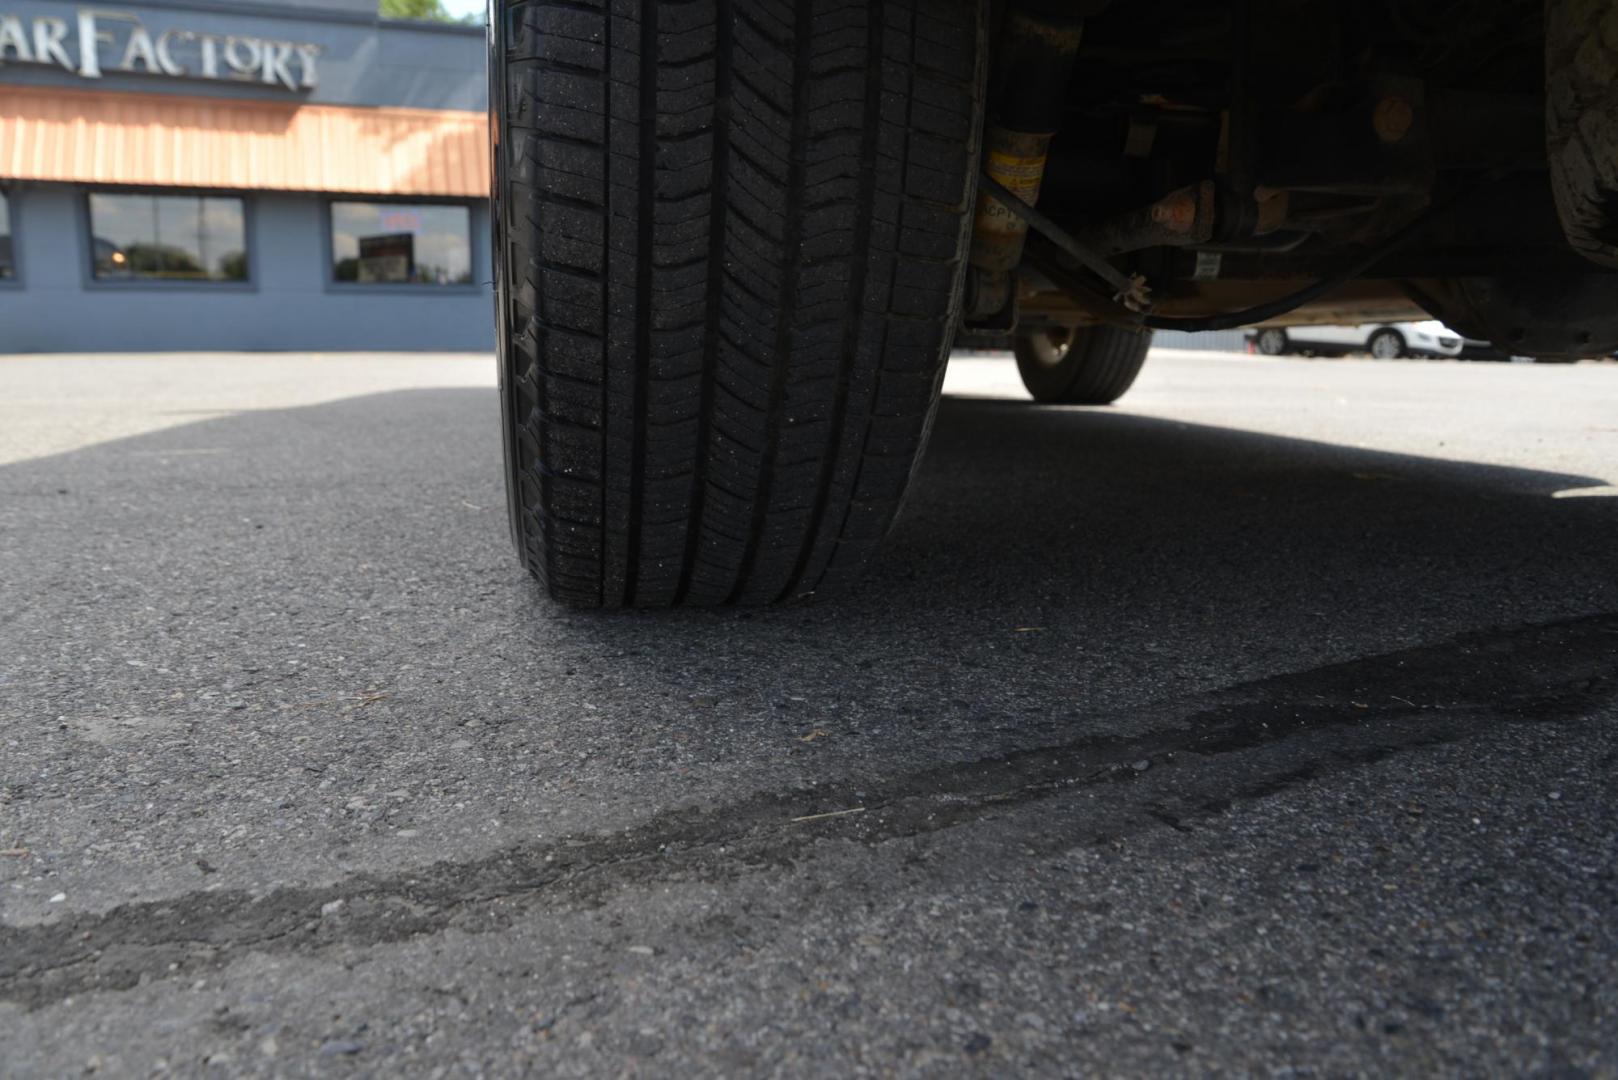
(1386, 341)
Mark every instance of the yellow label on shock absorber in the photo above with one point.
(1019, 174)
(1016, 160)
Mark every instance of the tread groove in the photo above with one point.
(865, 448)
(645, 225)
(853, 321)
(606, 305)
(792, 237)
(718, 193)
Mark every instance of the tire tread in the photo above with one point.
(1099, 366)
(1581, 106)
(736, 231)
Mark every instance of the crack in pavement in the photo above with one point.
(1266, 736)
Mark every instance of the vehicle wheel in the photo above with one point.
(1273, 342)
(1581, 122)
(730, 244)
(1387, 345)
(1088, 365)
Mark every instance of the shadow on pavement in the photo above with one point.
(1050, 563)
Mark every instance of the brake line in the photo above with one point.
(1129, 287)
(1123, 285)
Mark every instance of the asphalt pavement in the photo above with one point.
(1263, 723)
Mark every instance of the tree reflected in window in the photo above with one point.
(168, 237)
(8, 268)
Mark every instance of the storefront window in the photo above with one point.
(170, 237)
(401, 243)
(8, 268)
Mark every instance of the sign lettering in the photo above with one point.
(101, 41)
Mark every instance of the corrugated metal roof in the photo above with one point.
(172, 141)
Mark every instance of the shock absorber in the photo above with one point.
(1036, 57)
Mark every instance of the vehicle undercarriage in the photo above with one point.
(1231, 158)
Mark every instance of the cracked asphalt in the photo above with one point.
(1264, 723)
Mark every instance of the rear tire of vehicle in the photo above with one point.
(1387, 345)
(730, 245)
(1273, 342)
(1087, 365)
(1581, 122)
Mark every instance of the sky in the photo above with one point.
(462, 8)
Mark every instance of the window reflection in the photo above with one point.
(401, 243)
(8, 268)
(170, 237)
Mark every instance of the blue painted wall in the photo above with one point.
(291, 303)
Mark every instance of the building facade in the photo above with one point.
(241, 174)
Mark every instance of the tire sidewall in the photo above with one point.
(496, 45)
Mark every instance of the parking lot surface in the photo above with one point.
(1265, 722)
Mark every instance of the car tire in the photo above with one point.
(1272, 341)
(1087, 365)
(730, 242)
(1387, 344)
(1581, 122)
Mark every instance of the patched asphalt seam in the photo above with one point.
(1226, 747)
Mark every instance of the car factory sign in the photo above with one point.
(98, 41)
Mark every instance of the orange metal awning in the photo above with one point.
(171, 141)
